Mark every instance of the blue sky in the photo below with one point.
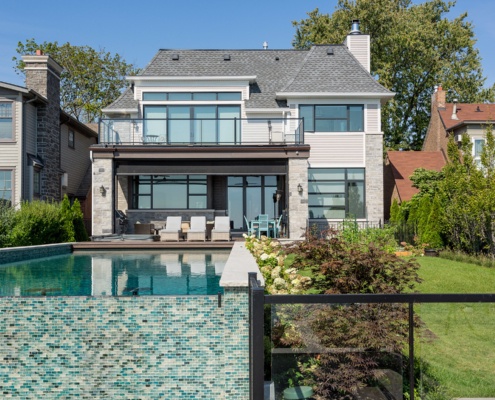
(137, 29)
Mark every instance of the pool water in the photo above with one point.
(116, 273)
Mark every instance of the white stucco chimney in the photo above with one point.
(359, 45)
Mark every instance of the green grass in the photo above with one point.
(458, 340)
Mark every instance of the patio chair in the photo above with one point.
(263, 226)
(172, 229)
(221, 229)
(197, 231)
(250, 229)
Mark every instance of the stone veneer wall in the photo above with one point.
(151, 347)
(103, 214)
(298, 202)
(374, 178)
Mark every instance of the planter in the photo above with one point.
(431, 252)
(403, 253)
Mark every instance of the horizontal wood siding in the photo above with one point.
(336, 150)
(373, 123)
(75, 161)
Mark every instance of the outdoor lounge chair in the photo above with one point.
(197, 231)
(221, 229)
(172, 229)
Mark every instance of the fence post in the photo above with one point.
(256, 330)
(411, 350)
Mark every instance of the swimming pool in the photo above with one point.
(116, 273)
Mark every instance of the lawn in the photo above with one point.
(458, 341)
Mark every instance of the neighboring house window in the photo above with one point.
(477, 149)
(193, 124)
(195, 96)
(6, 186)
(336, 193)
(6, 125)
(37, 183)
(332, 118)
(71, 139)
(169, 192)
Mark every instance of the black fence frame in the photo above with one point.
(258, 298)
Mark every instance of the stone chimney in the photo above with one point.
(359, 45)
(43, 76)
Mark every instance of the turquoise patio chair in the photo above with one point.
(250, 228)
(275, 228)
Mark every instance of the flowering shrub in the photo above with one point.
(271, 260)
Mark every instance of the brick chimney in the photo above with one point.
(43, 76)
(438, 99)
(359, 45)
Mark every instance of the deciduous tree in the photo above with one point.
(413, 48)
(91, 79)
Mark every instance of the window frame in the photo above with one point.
(71, 139)
(12, 185)
(312, 124)
(346, 182)
(192, 179)
(192, 96)
(12, 120)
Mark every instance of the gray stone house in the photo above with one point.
(44, 152)
(295, 133)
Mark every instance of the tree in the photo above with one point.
(414, 47)
(91, 79)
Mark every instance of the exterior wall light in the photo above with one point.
(299, 188)
(103, 191)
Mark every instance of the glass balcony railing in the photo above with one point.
(207, 132)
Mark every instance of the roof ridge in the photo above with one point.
(311, 51)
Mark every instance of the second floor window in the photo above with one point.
(332, 118)
(6, 125)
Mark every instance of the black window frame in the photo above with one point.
(310, 126)
(191, 180)
(347, 182)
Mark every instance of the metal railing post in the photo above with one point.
(256, 329)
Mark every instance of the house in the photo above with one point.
(245, 132)
(399, 166)
(455, 119)
(44, 152)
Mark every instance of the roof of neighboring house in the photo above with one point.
(276, 72)
(404, 163)
(85, 129)
(467, 113)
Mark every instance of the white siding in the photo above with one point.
(359, 46)
(255, 130)
(336, 149)
(372, 118)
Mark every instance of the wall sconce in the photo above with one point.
(103, 191)
(299, 188)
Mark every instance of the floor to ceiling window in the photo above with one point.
(249, 196)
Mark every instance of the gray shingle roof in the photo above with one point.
(275, 70)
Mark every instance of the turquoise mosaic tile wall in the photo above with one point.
(13, 254)
(147, 347)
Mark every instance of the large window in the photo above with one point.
(332, 118)
(6, 186)
(6, 126)
(336, 193)
(194, 96)
(193, 124)
(169, 192)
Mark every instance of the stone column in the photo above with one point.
(374, 178)
(298, 201)
(103, 212)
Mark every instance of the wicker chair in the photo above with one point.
(197, 231)
(172, 229)
(221, 230)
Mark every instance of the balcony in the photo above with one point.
(202, 132)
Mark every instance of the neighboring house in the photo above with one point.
(242, 133)
(44, 152)
(399, 166)
(455, 119)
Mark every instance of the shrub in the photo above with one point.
(7, 213)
